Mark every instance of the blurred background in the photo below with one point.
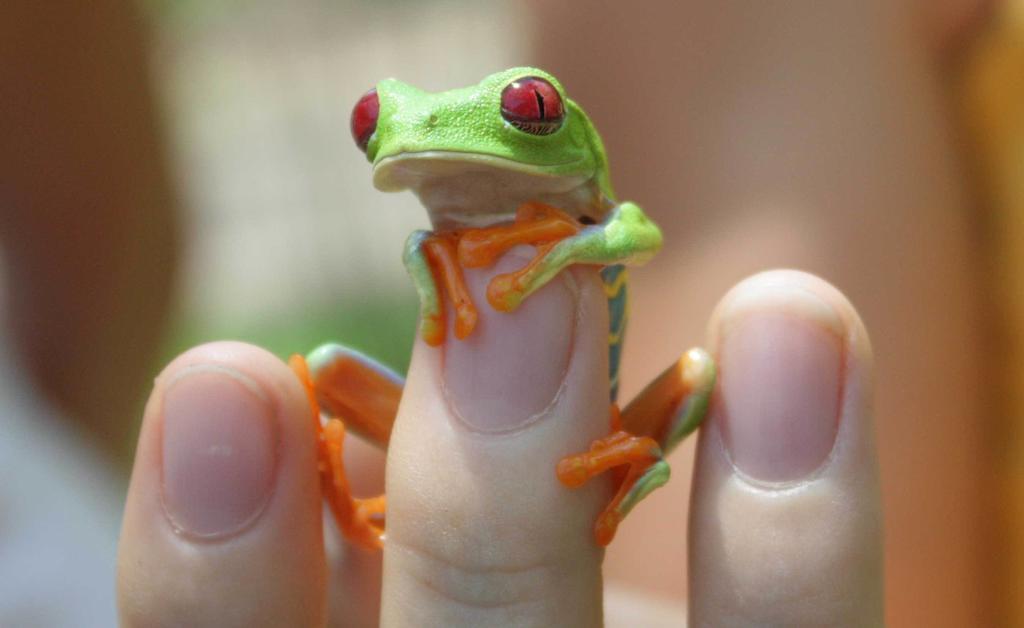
(177, 172)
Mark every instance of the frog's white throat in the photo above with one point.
(473, 190)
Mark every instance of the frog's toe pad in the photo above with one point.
(504, 293)
(572, 471)
(605, 527)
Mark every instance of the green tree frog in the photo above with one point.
(509, 161)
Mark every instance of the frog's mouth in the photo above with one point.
(476, 190)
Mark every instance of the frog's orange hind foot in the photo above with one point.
(640, 467)
(361, 520)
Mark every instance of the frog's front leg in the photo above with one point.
(626, 236)
(435, 260)
(357, 394)
(431, 259)
(670, 408)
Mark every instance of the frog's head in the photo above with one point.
(473, 155)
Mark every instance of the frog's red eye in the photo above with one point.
(364, 118)
(533, 105)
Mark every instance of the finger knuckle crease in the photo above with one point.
(479, 584)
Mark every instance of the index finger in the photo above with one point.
(480, 531)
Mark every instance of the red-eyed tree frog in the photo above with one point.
(509, 161)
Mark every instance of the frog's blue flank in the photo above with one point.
(615, 278)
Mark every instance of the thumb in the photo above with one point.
(479, 528)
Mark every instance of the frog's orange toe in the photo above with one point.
(367, 527)
(606, 526)
(432, 330)
(572, 471)
(465, 320)
(504, 293)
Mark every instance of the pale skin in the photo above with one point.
(467, 544)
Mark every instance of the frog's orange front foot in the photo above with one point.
(435, 262)
(440, 250)
(361, 520)
(643, 466)
(536, 224)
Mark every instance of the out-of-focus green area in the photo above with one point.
(381, 328)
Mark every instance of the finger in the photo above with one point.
(222, 525)
(480, 532)
(625, 608)
(785, 524)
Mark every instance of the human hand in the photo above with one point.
(223, 520)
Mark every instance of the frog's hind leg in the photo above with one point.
(675, 403)
(671, 407)
(646, 470)
(353, 387)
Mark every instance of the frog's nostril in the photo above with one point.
(364, 118)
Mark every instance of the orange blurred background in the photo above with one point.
(179, 172)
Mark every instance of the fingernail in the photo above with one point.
(508, 372)
(781, 356)
(219, 441)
